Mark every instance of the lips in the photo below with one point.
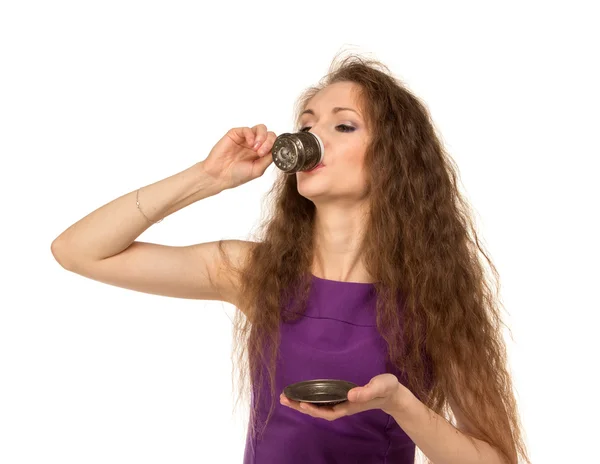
(316, 167)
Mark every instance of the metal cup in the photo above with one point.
(298, 151)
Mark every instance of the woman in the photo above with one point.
(368, 270)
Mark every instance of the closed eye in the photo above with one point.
(344, 128)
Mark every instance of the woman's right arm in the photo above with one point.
(111, 228)
(102, 245)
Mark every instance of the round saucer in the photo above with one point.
(320, 392)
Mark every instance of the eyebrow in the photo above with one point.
(335, 110)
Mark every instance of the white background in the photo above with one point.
(100, 98)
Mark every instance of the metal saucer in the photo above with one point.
(320, 392)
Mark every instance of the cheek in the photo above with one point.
(353, 171)
(347, 158)
(356, 164)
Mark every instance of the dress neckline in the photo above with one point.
(319, 279)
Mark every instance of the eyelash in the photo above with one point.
(345, 126)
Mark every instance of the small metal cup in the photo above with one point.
(298, 151)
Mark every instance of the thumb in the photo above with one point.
(263, 163)
(358, 394)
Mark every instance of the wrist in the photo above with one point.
(205, 181)
(400, 403)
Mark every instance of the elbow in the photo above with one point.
(58, 251)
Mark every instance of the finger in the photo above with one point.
(322, 412)
(356, 394)
(364, 394)
(242, 136)
(263, 163)
(319, 412)
(288, 402)
(294, 405)
(268, 143)
(298, 405)
(260, 135)
(249, 135)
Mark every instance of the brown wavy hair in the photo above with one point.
(420, 243)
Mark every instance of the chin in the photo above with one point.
(309, 191)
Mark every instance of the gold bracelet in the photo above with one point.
(137, 202)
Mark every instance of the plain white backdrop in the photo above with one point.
(100, 98)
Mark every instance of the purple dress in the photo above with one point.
(336, 339)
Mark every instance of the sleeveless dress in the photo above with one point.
(337, 338)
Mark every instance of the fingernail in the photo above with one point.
(257, 144)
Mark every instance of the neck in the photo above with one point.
(337, 242)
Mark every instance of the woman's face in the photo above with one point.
(345, 139)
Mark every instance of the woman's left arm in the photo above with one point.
(437, 438)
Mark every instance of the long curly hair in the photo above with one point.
(420, 246)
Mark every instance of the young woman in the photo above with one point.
(368, 270)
